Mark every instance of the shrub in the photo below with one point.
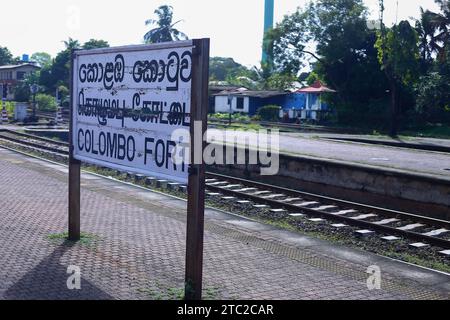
(269, 113)
(45, 102)
(22, 92)
(9, 106)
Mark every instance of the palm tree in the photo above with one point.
(72, 44)
(165, 31)
(440, 22)
(426, 32)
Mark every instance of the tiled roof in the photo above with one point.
(317, 87)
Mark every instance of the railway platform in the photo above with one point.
(133, 248)
(406, 160)
(341, 148)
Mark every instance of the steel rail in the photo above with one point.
(323, 214)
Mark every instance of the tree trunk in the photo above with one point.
(394, 110)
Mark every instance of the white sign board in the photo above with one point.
(127, 102)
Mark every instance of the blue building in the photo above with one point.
(305, 103)
(246, 101)
(315, 107)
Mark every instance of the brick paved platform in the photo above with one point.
(135, 248)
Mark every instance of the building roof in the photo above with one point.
(219, 88)
(252, 93)
(317, 87)
(11, 67)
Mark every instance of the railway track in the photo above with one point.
(387, 224)
(50, 116)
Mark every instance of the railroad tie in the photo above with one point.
(344, 212)
(386, 221)
(365, 216)
(273, 196)
(306, 204)
(323, 208)
(246, 190)
(410, 227)
(436, 233)
(291, 200)
(260, 193)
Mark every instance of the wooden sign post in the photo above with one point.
(126, 104)
(196, 186)
(74, 171)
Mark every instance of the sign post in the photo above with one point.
(196, 186)
(127, 105)
(74, 166)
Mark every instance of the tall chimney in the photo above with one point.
(268, 22)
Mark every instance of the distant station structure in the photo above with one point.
(11, 75)
(306, 103)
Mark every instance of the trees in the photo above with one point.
(57, 73)
(286, 43)
(222, 68)
(72, 44)
(344, 56)
(94, 44)
(440, 22)
(398, 54)
(5, 56)
(164, 31)
(42, 58)
(433, 92)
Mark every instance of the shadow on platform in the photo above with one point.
(48, 281)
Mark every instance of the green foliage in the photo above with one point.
(95, 44)
(286, 42)
(433, 93)
(42, 58)
(440, 24)
(164, 31)
(222, 69)
(72, 44)
(9, 105)
(398, 53)
(345, 57)
(269, 113)
(22, 92)
(65, 95)
(57, 73)
(312, 77)
(226, 116)
(45, 102)
(281, 81)
(5, 56)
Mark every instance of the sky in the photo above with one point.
(234, 26)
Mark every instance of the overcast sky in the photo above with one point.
(234, 26)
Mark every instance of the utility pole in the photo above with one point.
(389, 74)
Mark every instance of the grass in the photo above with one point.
(85, 238)
(159, 292)
(436, 131)
(436, 265)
